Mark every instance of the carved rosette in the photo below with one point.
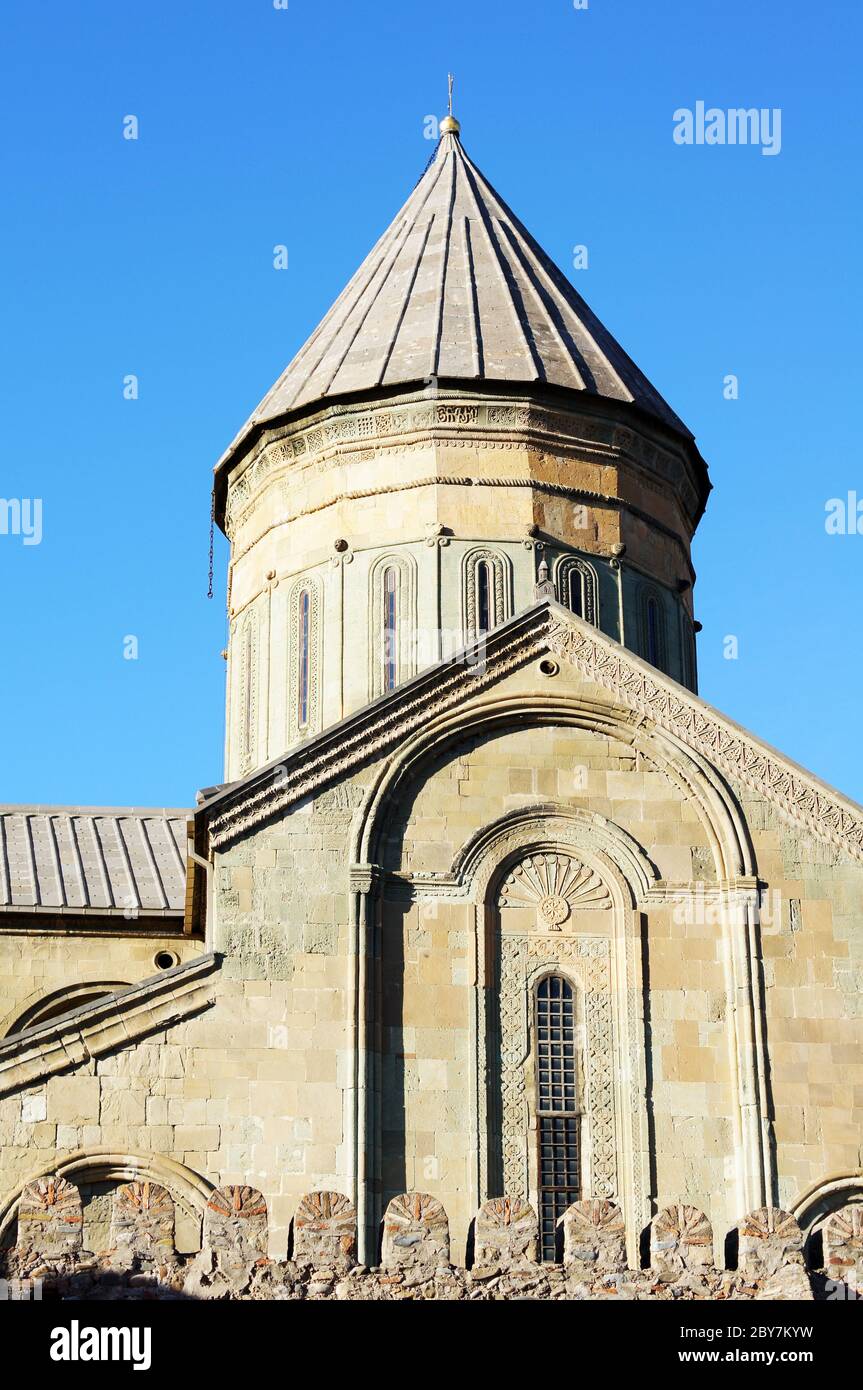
(555, 885)
(235, 1223)
(325, 1230)
(594, 1239)
(505, 1232)
(416, 1232)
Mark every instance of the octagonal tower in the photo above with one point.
(459, 430)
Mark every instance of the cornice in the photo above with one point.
(357, 432)
(114, 1021)
(812, 804)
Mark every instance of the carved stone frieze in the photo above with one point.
(556, 886)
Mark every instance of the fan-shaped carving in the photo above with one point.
(325, 1229)
(142, 1220)
(681, 1237)
(768, 1239)
(843, 1245)
(323, 1209)
(45, 1193)
(556, 885)
(416, 1231)
(235, 1223)
(50, 1219)
(594, 1238)
(506, 1231)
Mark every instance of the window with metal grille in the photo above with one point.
(557, 1114)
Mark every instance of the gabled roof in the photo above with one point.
(457, 288)
(654, 699)
(103, 861)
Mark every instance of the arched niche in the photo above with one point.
(98, 1172)
(557, 889)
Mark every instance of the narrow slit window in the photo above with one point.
(575, 595)
(303, 657)
(483, 597)
(654, 653)
(557, 1113)
(390, 588)
(248, 675)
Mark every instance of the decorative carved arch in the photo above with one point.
(605, 970)
(573, 826)
(500, 589)
(697, 781)
(564, 567)
(311, 585)
(405, 567)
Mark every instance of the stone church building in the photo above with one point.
(491, 904)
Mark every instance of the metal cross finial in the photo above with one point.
(449, 79)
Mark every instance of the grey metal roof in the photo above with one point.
(457, 288)
(102, 860)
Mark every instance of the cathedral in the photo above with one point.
(496, 942)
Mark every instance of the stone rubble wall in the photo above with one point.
(233, 1263)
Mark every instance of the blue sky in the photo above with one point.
(304, 126)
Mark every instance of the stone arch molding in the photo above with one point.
(695, 779)
(614, 854)
(190, 1191)
(633, 886)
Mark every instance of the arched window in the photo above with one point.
(248, 693)
(483, 597)
(304, 607)
(575, 591)
(390, 628)
(304, 610)
(653, 632)
(556, 1107)
(653, 639)
(576, 587)
(392, 625)
(486, 594)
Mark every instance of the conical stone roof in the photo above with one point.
(457, 288)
